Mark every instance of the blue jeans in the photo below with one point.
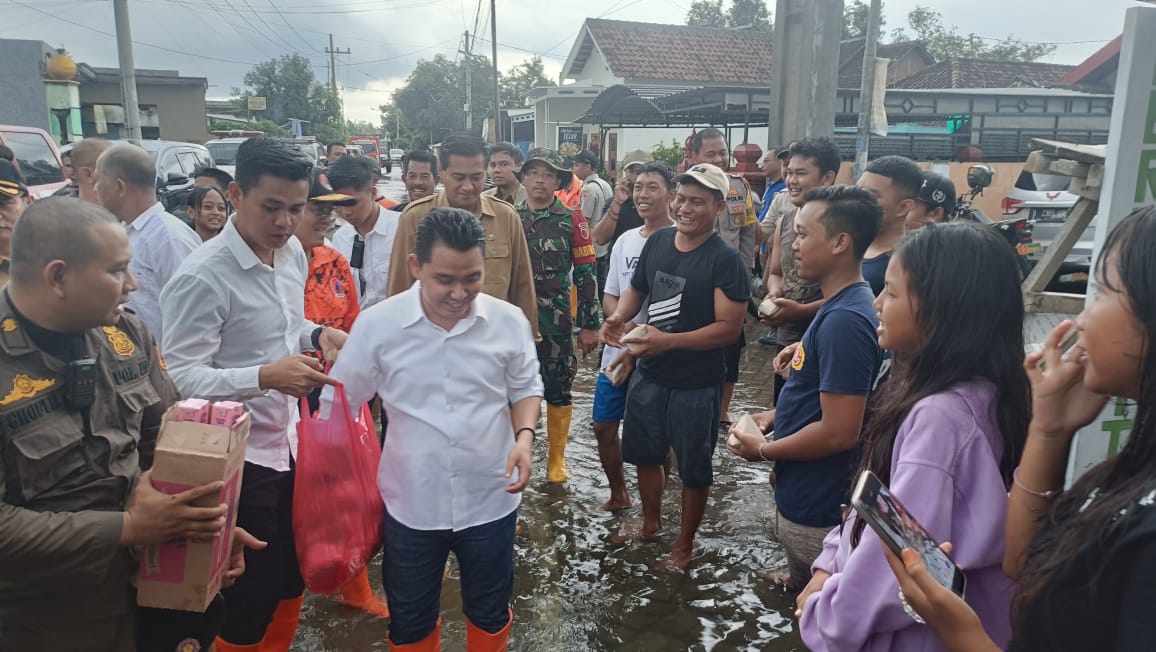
(413, 564)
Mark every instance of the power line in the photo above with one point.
(534, 52)
(292, 28)
(315, 10)
(1012, 39)
(140, 43)
(252, 27)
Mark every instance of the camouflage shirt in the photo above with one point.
(559, 241)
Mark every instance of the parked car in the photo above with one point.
(224, 152)
(176, 162)
(1044, 199)
(313, 150)
(37, 158)
(395, 155)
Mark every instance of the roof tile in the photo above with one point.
(977, 73)
(649, 51)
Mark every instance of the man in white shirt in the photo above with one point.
(235, 328)
(457, 372)
(653, 192)
(126, 184)
(366, 240)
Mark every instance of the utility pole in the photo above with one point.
(867, 87)
(127, 69)
(469, 85)
(497, 85)
(333, 52)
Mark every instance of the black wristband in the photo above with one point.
(315, 338)
(533, 434)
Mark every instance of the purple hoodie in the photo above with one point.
(945, 471)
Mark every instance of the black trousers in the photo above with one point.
(271, 575)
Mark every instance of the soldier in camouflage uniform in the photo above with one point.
(559, 241)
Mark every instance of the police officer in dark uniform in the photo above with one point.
(82, 392)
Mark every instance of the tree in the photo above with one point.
(945, 42)
(292, 91)
(749, 14)
(855, 18)
(431, 102)
(705, 13)
(520, 79)
(746, 14)
(362, 128)
(267, 126)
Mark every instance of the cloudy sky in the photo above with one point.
(222, 39)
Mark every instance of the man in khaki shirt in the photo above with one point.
(508, 272)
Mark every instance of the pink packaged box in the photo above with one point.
(226, 413)
(195, 410)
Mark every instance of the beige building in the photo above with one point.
(172, 107)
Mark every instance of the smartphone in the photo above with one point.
(899, 530)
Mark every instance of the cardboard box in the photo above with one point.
(186, 575)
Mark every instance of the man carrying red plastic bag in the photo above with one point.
(457, 372)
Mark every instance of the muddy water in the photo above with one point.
(575, 591)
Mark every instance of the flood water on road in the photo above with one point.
(574, 590)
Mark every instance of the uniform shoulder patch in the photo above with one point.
(120, 342)
(800, 358)
(24, 386)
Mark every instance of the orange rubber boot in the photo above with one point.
(220, 645)
(431, 643)
(283, 626)
(357, 593)
(479, 640)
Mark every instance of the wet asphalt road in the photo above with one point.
(576, 591)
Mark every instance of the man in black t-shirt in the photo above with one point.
(695, 288)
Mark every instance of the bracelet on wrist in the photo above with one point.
(533, 434)
(763, 456)
(1038, 494)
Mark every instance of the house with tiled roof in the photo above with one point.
(1097, 72)
(609, 52)
(977, 73)
(628, 85)
(905, 58)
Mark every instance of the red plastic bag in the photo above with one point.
(337, 509)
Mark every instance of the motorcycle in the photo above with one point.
(1017, 231)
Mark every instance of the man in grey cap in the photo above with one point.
(934, 202)
(695, 288)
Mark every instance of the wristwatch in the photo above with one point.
(315, 338)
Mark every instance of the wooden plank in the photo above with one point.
(1069, 168)
(1078, 219)
(1080, 187)
(1095, 178)
(1055, 302)
(1081, 153)
(1039, 162)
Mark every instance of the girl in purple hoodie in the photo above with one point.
(945, 433)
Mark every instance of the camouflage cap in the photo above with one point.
(553, 160)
